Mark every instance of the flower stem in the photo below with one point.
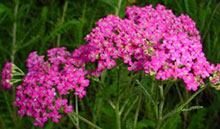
(62, 20)
(129, 109)
(98, 107)
(3, 123)
(210, 21)
(77, 111)
(179, 93)
(117, 9)
(8, 105)
(180, 108)
(160, 109)
(117, 109)
(83, 119)
(192, 97)
(162, 101)
(14, 33)
(73, 121)
(137, 113)
(118, 116)
(13, 55)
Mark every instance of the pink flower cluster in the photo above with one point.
(42, 94)
(177, 50)
(154, 40)
(175, 46)
(7, 76)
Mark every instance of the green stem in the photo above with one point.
(167, 88)
(192, 97)
(210, 21)
(83, 119)
(62, 20)
(117, 109)
(187, 6)
(162, 101)
(97, 110)
(179, 93)
(158, 124)
(77, 111)
(3, 123)
(16, 74)
(129, 109)
(160, 110)
(73, 121)
(118, 116)
(14, 29)
(15, 81)
(9, 107)
(180, 108)
(117, 9)
(137, 113)
(14, 33)
(17, 70)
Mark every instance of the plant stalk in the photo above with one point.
(179, 109)
(77, 111)
(62, 20)
(117, 109)
(85, 120)
(137, 113)
(3, 123)
(160, 109)
(117, 9)
(118, 116)
(14, 29)
(129, 109)
(73, 121)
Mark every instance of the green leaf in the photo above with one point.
(172, 123)
(197, 120)
(49, 125)
(59, 28)
(145, 124)
(3, 8)
(34, 39)
(146, 92)
(112, 3)
(192, 108)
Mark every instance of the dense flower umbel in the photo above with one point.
(154, 40)
(7, 76)
(177, 50)
(42, 93)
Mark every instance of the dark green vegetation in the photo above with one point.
(37, 25)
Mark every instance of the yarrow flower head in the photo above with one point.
(154, 40)
(42, 94)
(177, 50)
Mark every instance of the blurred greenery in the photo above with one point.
(38, 25)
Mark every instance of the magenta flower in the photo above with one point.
(80, 92)
(153, 40)
(7, 76)
(43, 91)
